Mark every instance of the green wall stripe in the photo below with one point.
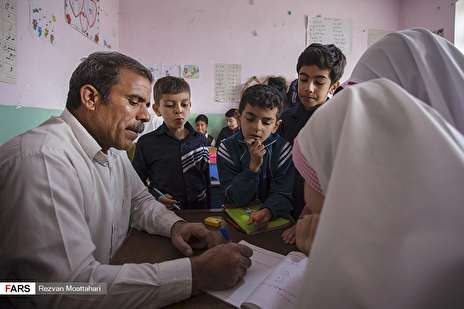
(14, 120)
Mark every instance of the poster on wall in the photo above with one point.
(108, 26)
(8, 41)
(156, 71)
(170, 70)
(42, 21)
(190, 71)
(84, 16)
(328, 30)
(373, 35)
(227, 82)
(162, 70)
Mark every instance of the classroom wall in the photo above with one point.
(430, 14)
(43, 70)
(264, 36)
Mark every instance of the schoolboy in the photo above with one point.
(256, 163)
(201, 124)
(319, 69)
(174, 157)
(232, 125)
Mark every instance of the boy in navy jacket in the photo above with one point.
(319, 69)
(174, 157)
(256, 163)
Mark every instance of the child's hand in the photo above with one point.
(289, 235)
(167, 200)
(257, 152)
(305, 231)
(260, 217)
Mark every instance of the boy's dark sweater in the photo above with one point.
(177, 167)
(293, 120)
(226, 132)
(272, 184)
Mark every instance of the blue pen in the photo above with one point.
(224, 233)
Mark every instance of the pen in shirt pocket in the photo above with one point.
(161, 194)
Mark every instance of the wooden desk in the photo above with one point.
(140, 247)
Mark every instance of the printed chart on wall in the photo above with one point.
(8, 41)
(227, 82)
(327, 30)
(84, 16)
(42, 21)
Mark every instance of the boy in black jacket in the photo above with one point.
(319, 68)
(232, 125)
(174, 157)
(256, 163)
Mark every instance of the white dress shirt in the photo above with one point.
(65, 208)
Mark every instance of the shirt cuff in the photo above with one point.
(168, 220)
(175, 279)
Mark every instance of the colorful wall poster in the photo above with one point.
(84, 16)
(162, 70)
(170, 70)
(190, 71)
(42, 21)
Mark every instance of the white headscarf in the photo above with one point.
(392, 226)
(424, 64)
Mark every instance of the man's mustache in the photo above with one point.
(138, 127)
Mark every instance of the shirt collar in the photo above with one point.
(163, 129)
(84, 138)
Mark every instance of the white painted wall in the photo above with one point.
(430, 14)
(202, 32)
(206, 32)
(43, 70)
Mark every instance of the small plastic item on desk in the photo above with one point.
(213, 221)
(224, 233)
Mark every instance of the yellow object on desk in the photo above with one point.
(213, 221)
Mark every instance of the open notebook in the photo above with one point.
(272, 281)
(241, 215)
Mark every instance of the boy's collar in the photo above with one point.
(163, 129)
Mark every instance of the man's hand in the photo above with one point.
(257, 152)
(305, 231)
(167, 200)
(185, 236)
(289, 235)
(221, 267)
(260, 217)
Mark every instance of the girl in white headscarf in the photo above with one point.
(390, 172)
(424, 64)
